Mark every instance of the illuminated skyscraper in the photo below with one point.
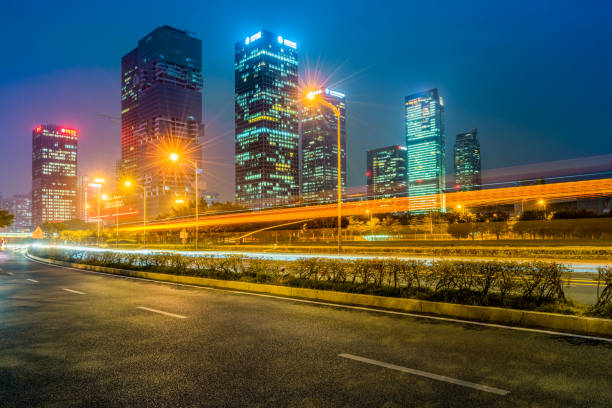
(267, 139)
(320, 147)
(20, 205)
(425, 142)
(161, 110)
(386, 174)
(467, 161)
(54, 174)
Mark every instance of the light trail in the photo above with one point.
(583, 267)
(467, 199)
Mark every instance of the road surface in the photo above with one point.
(72, 338)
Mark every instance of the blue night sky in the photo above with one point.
(532, 76)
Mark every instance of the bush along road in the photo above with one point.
(520, 285)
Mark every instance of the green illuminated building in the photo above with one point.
(425, 142)
(267, 138)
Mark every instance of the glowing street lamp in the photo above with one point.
(129, 184)
(175, 158)
(312, 97)
(543, 204)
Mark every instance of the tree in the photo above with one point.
(6, 219)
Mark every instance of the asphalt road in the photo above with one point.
(73, 338)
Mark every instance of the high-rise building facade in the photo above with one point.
(386, 172)
(20, 205)
(425, 142)
(467, 161)
(320, 147)
(266, 118)
(161, 102)
(54, 174)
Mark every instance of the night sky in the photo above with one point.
(534, 77)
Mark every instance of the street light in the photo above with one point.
(312, 96)
(129, 184)
(175, 158)
(543, 204)
(98, 184)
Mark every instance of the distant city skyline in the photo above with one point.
(484, 78)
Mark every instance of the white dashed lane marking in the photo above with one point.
(425, 374)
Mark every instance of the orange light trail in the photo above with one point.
(467, 199)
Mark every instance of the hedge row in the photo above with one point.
(496, 283)
(603, 307)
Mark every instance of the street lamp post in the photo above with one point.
(175, 157)
(103, 197)
(312, 96)
(98, 184)
(117, 226)
(144, 211)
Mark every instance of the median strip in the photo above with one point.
(32, 280)
(161, 312)
(425, 374)
(588, 328)
(74, 291)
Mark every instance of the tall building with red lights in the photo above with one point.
(54, 174)
(161, 110)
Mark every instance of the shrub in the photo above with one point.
(503, 283)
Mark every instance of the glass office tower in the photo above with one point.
(161, 102)
(267, 138)
(426, 150)
(386, 172)
(467, 162)
(320, 148)
(20, 205)
(54, 174)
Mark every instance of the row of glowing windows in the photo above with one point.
(275, 135)
(259, 185)
(240, 65)
(63, 133)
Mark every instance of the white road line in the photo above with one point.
(339, 305)
(74, 291)
(432, 376)
(32, 280)
(162, 312)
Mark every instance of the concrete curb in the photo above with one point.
(565, 323)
